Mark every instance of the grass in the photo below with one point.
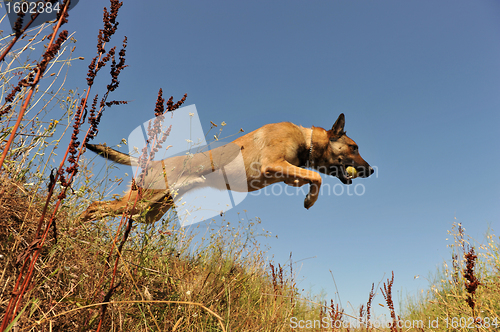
(59, 273)
(466, 293)
(163, 284)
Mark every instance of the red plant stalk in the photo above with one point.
(38, 76)
(18, 35)
(38, 242)
(18, 293)
(80, 150)
(112, 287)
(154, 143)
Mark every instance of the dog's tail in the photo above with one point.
(111, 154)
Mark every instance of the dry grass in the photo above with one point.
(466, 295)
(161, 282)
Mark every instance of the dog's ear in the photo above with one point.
(338, 126)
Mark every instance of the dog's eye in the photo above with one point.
(355, 148)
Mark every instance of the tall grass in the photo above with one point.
(463, 294)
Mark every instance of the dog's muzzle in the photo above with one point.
(341, 173)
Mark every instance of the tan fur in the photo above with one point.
(274, 153)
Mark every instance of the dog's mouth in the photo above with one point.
(341, 173)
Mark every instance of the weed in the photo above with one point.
(467, 295)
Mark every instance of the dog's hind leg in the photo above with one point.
(101, 209)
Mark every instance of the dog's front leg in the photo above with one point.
(297, 177)
(313, 194)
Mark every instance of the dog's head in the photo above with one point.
(340, 152)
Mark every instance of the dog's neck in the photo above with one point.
(309, 159)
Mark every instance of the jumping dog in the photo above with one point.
(277, 152)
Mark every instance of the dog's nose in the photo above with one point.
(371, 170)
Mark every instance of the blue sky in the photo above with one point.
(418, 82)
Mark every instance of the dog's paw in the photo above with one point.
(310, 200)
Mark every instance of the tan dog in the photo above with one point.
(274, 153)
